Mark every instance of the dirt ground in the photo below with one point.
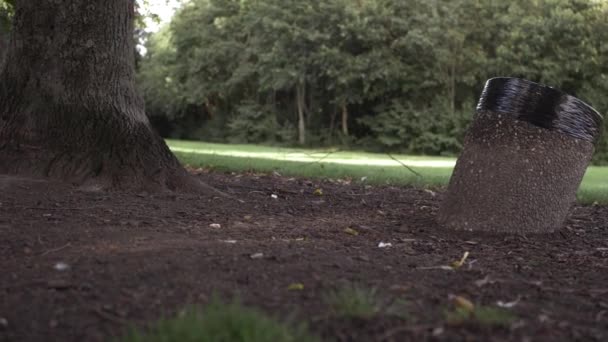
(133, 258)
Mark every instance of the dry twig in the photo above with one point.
(56, 249)
(405, 166)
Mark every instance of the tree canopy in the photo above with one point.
(382, 74)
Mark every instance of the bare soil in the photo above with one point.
(134, 258)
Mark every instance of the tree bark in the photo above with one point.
(332, 123)
(3, 44)
(68, 105)
(344, 119)
(3, 35)
(301, 99)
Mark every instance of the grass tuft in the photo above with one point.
(221, 322)
(485, 316)
(357, 302)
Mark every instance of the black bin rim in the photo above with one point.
(542, 106)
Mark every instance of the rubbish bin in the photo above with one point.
(523, 159)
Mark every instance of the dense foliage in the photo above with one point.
(384, 74)
(379, 74)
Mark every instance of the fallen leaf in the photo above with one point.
(351, 231)
(463, 303)
(431, 192)
(318, 192)
(295, 287)
(458, 264)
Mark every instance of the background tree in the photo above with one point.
(6, 12)
(379, 74)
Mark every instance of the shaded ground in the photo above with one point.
(135, 258)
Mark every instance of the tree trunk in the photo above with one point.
(300, 99)
(332, 123)
(68, 106)
(344, 119)
(452, 86)
(3, 44)
(309, 106)
(3, 36)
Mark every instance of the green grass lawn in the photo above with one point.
(373, 168)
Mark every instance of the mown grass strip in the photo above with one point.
(373, 168)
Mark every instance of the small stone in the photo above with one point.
(3, 323)
(257, 256)
(438, 331)
(215, 225)
(61, 266)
